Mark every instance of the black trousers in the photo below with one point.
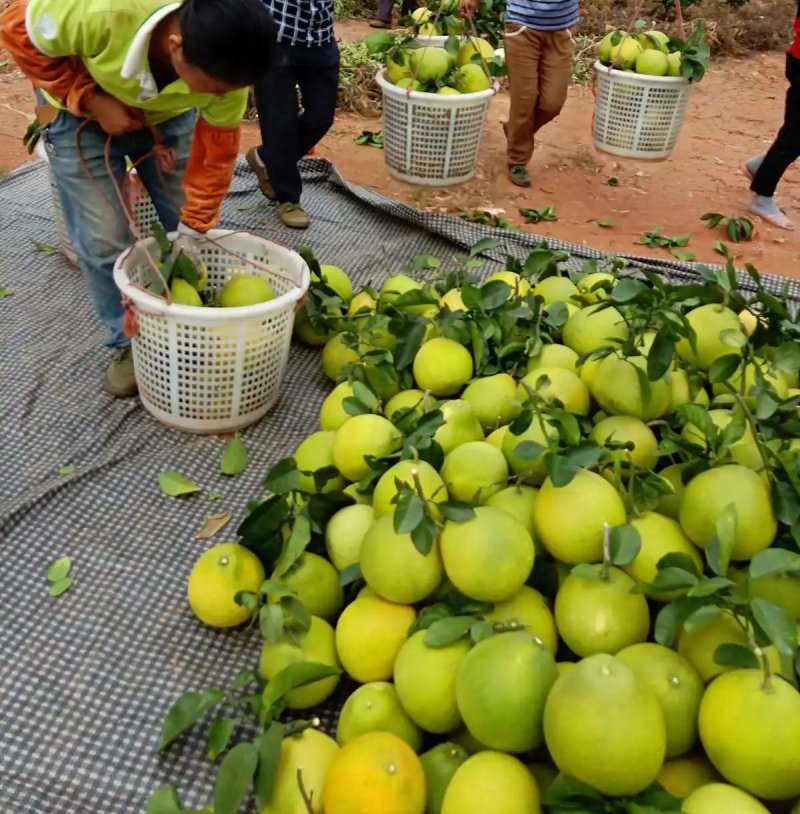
(385, 9)
(786, 149)
(286, 134)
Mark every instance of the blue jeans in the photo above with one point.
(97, 230)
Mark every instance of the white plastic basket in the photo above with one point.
(212, 370)
(638, 116)
(142, 205)
(431, 139)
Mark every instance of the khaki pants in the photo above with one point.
(539, 70)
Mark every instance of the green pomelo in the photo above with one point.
(617, 388)
(384, 498)
(246, 289)
(440, 765)
(493, 399)
(594, 327)
(316, 452)
(553, 355)
(376, 707)
(708, 322)
(519, 501)
(475, 471)
(344, 533)
(460, 426)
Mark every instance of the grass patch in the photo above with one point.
(354, 9)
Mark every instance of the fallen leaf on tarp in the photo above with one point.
(174, 484)
(213, 525)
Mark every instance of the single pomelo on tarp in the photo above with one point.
(369, 635)
(344, 533)
(396, 286)
(492, 782)
(708, 322)
(720, 798)
(577, 536)
(623, 429)
(493, 399)
(443, 367)
(377, 772)
(384, 498)
(603, 725)
(439, 765)
(519, 501)
(528, 608)
(561, 384)
(336, 279)
(376, 707)
(460, 426)
(523, 457)
(332, 413)
(554, 355)
(425, 678)
(315, 645)
(316, 583)
(617, 389)
(750, 730)
(184, 293)
(594, 327)
(472, 78)
(489, 557)
(316, 452)
(474, 472)
(501, 689)
(361, 436)
(683, 775)
(246, 289)
(556, 289)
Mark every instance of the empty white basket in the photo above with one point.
(212, 370)
(638, 116)
(432, 139)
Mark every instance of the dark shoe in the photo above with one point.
(294, 216)
(518, 175)
(261, 174)
(379, 24)
(120, 377)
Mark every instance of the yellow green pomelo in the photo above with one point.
(519, 285)
(677, 687)
(443, 367)
(362, 498)
(594, 287)
(376, 707)
(306, 332)
(310, 752)
(315, 645)
(654, 40)
(394, 568)
(606, 44)
(708, 495)
(363, 301)
(445, 90)
(587, 371)
(674, 61)
(336, 279)
(744, 451)
(751, 733)
(369, 635)
(528, 607)
(574, 536)
(680, 391)
(332, 414)
(439, 765)
(425, 678)
(246, 289)
(474, 472)
(407, 82)
(414, 400)
(395, 71)
(489, 557)
(460, 426)
(316, 583)
(617, 389)
(624, 429)
(563, 385)
(492, 782)
(452, 299)
(519, 501)
(363, 435)
(556, 289)
(594, 615)
(472, 78)
(624, 54)
(429, 63)
(316, 452)
(501, 688)
(670, 505)
(421, 15)
(708, 322)
(682, 776)
(652, 63)
(464, 738)
(553, 355)
(336, 354)
(497, 437)
(433, 487)
(594, 327)
(525, 461)
(720, 798)
(493, 399)
(603, 725)
(396, 286)
(344, 533)
(782, 590)
(471, 47)
(184, 293)
(772, 377)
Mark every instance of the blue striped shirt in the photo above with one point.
(543, 15)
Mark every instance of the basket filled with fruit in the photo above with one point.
(210, 353)
(644, 82)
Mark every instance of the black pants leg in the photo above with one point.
(287, 136)
(385, 8)
(786, 149)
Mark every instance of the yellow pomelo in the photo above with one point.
(337, 280)
(399, 284)
(316, 645)
(384, 497)
(670, 505)
(246, 289)
(519, 501)
(310, 753)
(624, 54)
(492, 782)
(336, 354)
(361, 436)
(708, 322)
(617, 389)
(577, 536)
(364, 498)
(556, 289)
(377, 773)
(217, 576)
(501, 689)
(624, 429)
(744, 451)
(443, 367)
(493, 399)
(553, 355)
(460, 426)
(316, 452)
(748, 321)
(470, 48)
(332, 413)
(344, 533)
(594, 615)
(707, 496)
(719, 798)
(474, 472)
(565, 666)
(184, 293)
(369, 635)
(676, 685)
(563, 385)
(413, 400)
(393, 566)
(519, 285)
(526, 461)
(680, 391)
(396, 71)
(587, 371)
(773, 378)
(316, 583)
(497, 437)
(660, 536)
(684, 775)
(425, 678)
(594, 327)
(751, 733)
(489, 557)
(603, 725)
(363, 301)
(439, 765)
(653, 40)
(452, 299)
(528, 607)
(376, 707)
(594, 287)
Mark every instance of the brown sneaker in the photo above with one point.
(519, 175)
(379, 24)
(261, 174)
(120, 377)
(294, 216)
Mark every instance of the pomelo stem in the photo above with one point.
(424, 498)
(606, 552)
(307, 802)
(762, 451)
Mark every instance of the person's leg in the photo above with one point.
(383, 16)
(523, 50)
(318, 79)
(555, 70)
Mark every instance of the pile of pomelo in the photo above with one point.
(569, 582)
(240, 290)
(648, 53)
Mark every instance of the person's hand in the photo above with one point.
(113, 116)
(467, 8)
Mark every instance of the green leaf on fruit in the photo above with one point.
(449, 630)
(269, 758)
(299, 674)
(735, 655)
(350, 574)
(774, 562)
(625, 544)
(585, 571)
(779, 627)
(234, 777)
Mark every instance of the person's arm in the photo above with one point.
(467, 8)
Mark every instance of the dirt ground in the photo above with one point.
(734, 113)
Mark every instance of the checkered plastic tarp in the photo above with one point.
(86, 679)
